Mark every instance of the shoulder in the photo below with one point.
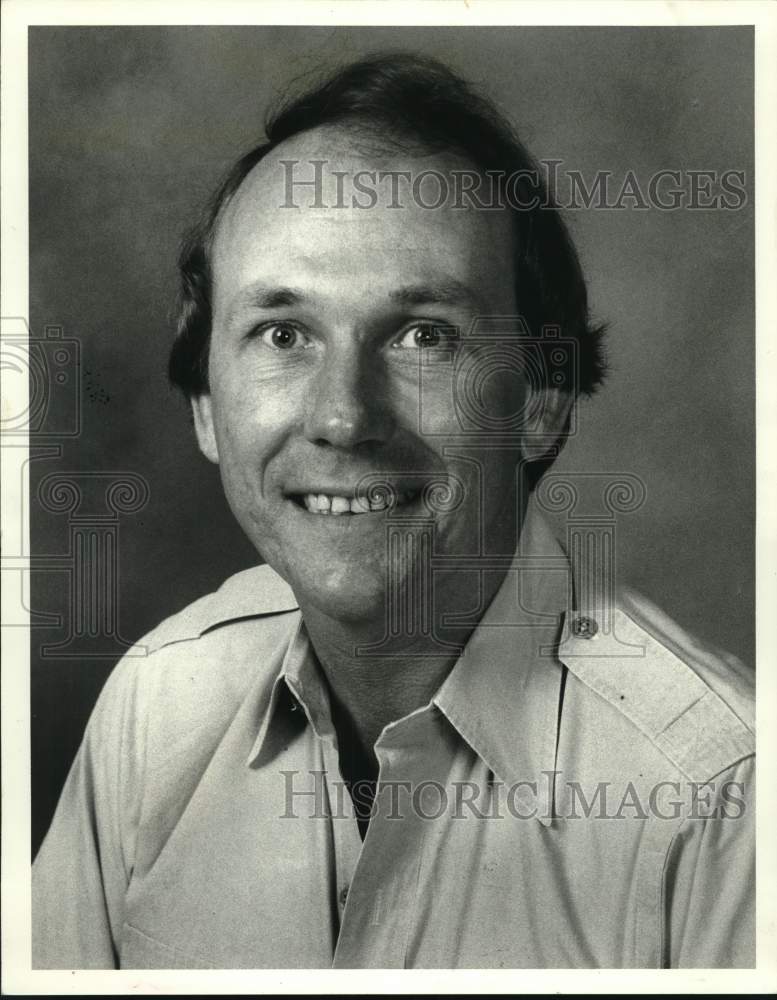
(255, 593)
(196, 666)
(693, 702)
(173, 697)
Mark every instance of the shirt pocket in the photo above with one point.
(140, 951)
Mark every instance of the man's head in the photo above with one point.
(327, 348)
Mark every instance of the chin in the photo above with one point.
(349, 598)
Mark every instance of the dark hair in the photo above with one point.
(398, 96)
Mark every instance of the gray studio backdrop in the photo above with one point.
(129, 130)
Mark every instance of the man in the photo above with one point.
(414, 737)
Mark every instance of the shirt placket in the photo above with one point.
(378, 915)
(346, 842)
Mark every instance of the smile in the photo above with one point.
(333, 505)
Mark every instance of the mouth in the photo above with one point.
(334, 505)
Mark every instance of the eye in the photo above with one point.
(423, 335)
(282, 337)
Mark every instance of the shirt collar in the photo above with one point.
(503, 693)
(298, 684)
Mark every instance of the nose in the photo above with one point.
(347, 405)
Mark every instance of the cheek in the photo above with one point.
(251, 413)
(481, 395)
(492, 399)
(429, 407)
(504, 394)
(251, 423)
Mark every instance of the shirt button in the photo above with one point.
(584, 628)
(343, 895)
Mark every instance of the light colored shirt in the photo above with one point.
(577, 794)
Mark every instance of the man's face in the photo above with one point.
(320, 317)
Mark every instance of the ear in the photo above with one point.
(552, 408)
(202, 412)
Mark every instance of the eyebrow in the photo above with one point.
(448, 291)
(264, 297)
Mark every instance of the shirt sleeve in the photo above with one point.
(710, 877)
(80, 875)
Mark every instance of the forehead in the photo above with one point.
(279, 224)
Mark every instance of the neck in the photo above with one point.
(375, 679)
(371, 688)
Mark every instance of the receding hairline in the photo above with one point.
(366, 139)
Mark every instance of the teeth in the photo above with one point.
(322, 503)
(340, 505)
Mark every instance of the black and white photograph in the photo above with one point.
(384, 416)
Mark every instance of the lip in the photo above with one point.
(297, 500)
(349, 494)
(347, 491)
